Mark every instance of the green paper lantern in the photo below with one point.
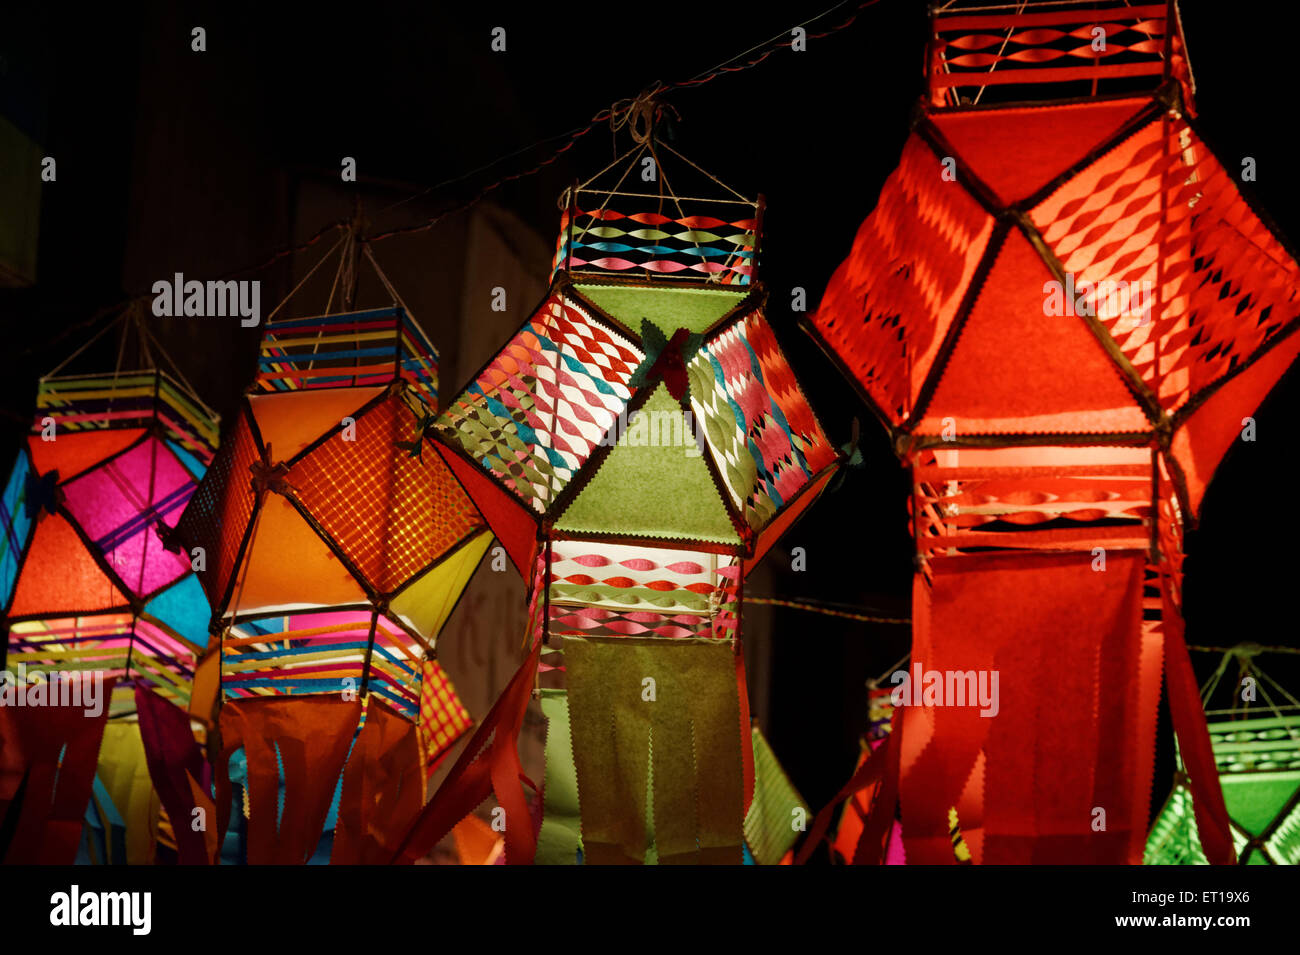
(1259, 769)
(636, 447)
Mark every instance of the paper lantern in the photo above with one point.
(1259, 769)
(637, 447)
(1061, 309)
(336, 546)
(86, 581)
(90, 588)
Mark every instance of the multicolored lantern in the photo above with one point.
(336, 546)
(87, 582)
(91, 591)
(636, 447)
(1062, 310)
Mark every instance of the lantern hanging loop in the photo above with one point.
(639, 114)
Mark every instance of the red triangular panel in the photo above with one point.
(60, 576)
(1018, 370)
(891, 301)
(512, 523)
(1016, 152)
(71, 453)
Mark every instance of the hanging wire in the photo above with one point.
(640, 116)
(180, 376)
(889, 671)
(383, 278)
(731, 65)
(825, 610)
(638, 147)
(132, 318)
(702, 170)
(594, 217)
(129, 318)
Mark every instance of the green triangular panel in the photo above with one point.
(772, 823)
(1254, 801)
(661, 489)
(695, 309)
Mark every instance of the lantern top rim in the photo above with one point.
(361, 348)
(1052, 52)
(648, 230)
(122, 399)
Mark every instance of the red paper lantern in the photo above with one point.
(1062, 310)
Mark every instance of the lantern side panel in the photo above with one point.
(537, 411)
(1019, 366)
(695, 309)
(889, 304)
(120, 505)
(15, 513)
(1172, 261)
(220, 511)
(627, 494)
(765, 439)
(386, 500)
